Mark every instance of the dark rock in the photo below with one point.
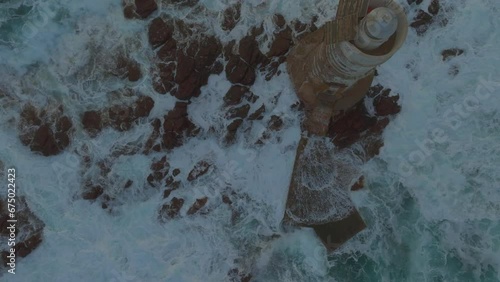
(176, 172)
(168, 51)
(30, 116)
(434, 7)
(143, 106)
(359, 184)
(282, 43)
(185, 67)
(129, 12)
(235, 94)
(279, 20)
(159, 32)
(200, 169)
(62, 140)
(189, 88)
(27, 246)
(134, 72)
(44, 141)
(258, 114)
(144, 8)
(171, 210)
(163, 80)
(226, 200)
(64, 124)
(92, 122)
(249, 51)
(451, 53)
(93, 192)
(175, 125)
(231, 17)
(234, 125)
(238, 112)
(421, 22)
(238, 71)
(128, 68)
(275, 124)
(199, 204)
(385, 105)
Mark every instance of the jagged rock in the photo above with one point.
(159, 32)
(275, 123)
(238, 112)
(189, 88)
(434, 7)
(92, 122)
(144, 8)
(451, 53)
(44, 141)
(143, 106)
(282, 43)
(30, 116)
(128, 68)
(234, 125)
(160, 170)
(171, 210)
(168, 51)
(93, 192)
(231, 17)
(200, 169)
(258, 114)
(421, 22)
(249, 51)
(231, 131)
(279, 20)
(359, 184)
(235, 94)
(238, 71)
(163, 80)
(199, 204)
(64, 124)
(175, 125)
(387, 105)
(185, 67)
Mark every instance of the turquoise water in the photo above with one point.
(433, 214)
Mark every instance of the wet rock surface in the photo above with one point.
(120, 117)
(45, 131)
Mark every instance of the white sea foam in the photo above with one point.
(433, 221)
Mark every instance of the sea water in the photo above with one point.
(432, 197)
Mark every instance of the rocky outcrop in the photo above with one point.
(197, 206)
(45, 131)
(423, 20)
(231, 17)
(120, 117)
(200, 169)
(176, 126)
(160, 32)
(160, 169)
(448, 54)
(357, 125)
(171, 210)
